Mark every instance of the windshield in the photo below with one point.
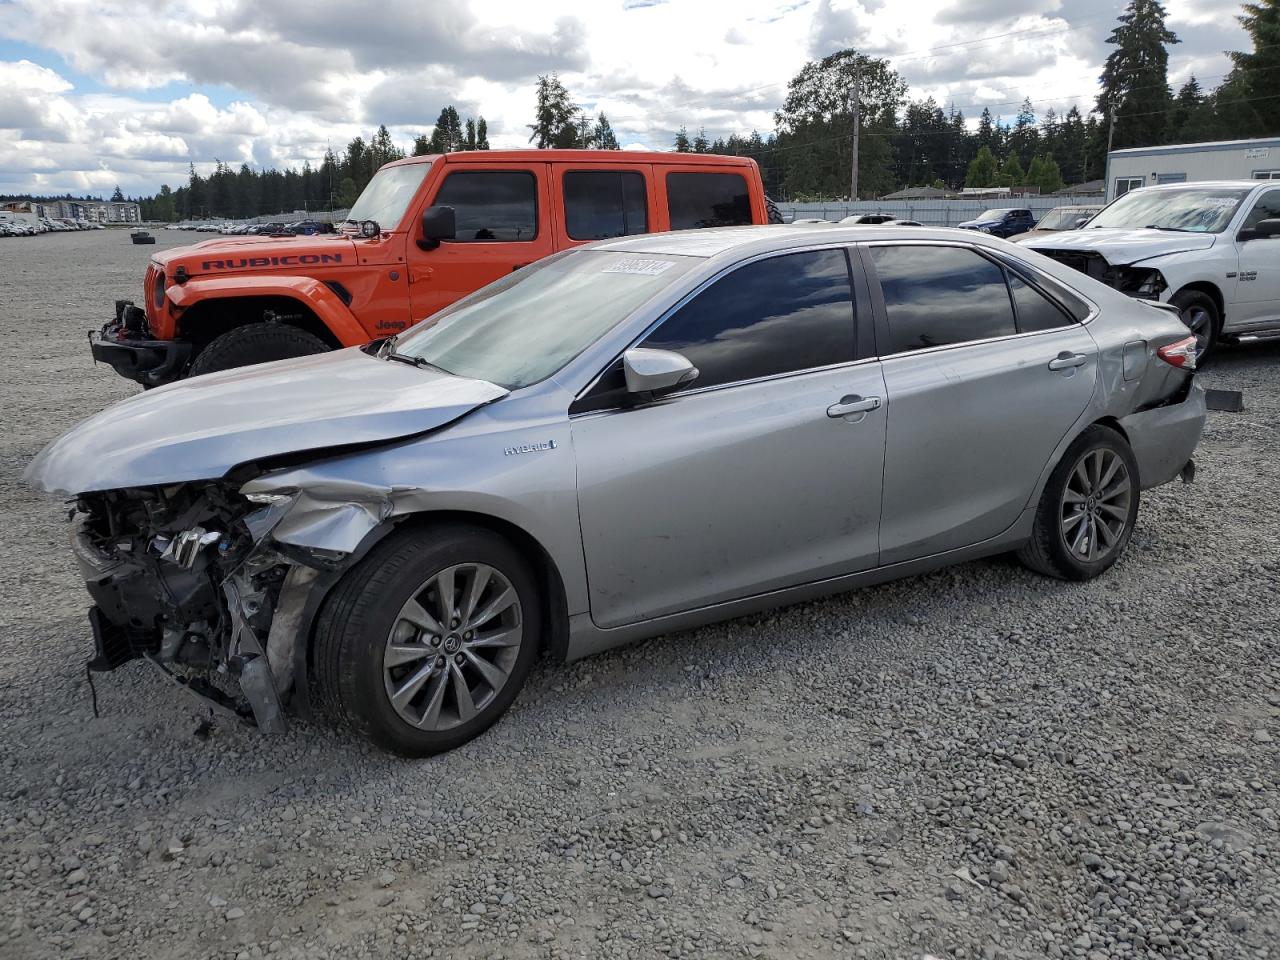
(1195, 210)
(994, 214)
(527, 326)
(387, 196)
(1063, 219)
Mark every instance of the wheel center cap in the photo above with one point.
(452, 643)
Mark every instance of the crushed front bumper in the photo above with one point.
(122, 344)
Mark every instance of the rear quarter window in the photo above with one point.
(696, 200)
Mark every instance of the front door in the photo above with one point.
(1258, 281)
(503, 223)
(764, 473)
(980, 396)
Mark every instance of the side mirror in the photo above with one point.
(438, 223)
(653, 371)
(1261, 230)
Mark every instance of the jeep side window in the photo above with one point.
(707, 200)
(599, 204)
(491, 205)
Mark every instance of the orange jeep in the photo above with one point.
(425, 232)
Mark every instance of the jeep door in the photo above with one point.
(1257, 300)
(763, 473)
(596, 202)
(502, 212)
(979, 395)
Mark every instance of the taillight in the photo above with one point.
(1181, 353)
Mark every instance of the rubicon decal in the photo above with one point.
(288, 260)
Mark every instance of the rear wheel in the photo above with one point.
(255, 343)
(1088, 508)
(771, 208)
(427, 641)
(1200, 314)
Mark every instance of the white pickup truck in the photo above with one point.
(1210, 249)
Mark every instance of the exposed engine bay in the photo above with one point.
(1143, 282)
(185, 577)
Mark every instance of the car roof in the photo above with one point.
(741, 242)
(611, 157)
(1210, 185)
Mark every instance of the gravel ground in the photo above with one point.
(975, 763)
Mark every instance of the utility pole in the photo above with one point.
(1106, 163)
(855, 106)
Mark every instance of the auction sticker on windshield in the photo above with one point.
(639, 267)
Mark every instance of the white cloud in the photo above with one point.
(273, 85)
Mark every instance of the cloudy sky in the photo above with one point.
(95, 93)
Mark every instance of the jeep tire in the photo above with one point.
(255, 343)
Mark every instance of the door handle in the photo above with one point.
(1065, 361)
(853, 404)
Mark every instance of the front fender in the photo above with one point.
(311, 293)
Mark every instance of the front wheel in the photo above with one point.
(427, 641)
(255, 343)
(1088, 508)
(1201, 316)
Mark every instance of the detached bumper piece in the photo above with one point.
(123, 345)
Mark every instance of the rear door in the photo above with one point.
(598, 202)
(979, 396)
(503, 222)
(693, 196)
(1258, 284)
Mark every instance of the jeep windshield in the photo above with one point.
(527, 326)
(1190, 210)
(388, 194)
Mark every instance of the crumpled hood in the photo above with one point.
(1123, 247)
(228, 254)
(198, 429)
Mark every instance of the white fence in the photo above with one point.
(933, 213)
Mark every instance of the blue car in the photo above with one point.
(1004, 222)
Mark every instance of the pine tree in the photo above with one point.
(1257, 74)
(1135, 79)
(700, 142)
(482, 134)
(986, 131)
(682, 141)
(1011, 172)
(1024, 138)
(555, 118)
(603, 135)
(118, 196)
(469, 138)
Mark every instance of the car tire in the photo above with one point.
(771, 210)
(1085, 519)
(1200, 314)
(255, 343)
(371, 641)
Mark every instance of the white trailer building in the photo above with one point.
(1187, 162)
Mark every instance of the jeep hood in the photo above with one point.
(1122, 247)
(255, 254)
(198, 429)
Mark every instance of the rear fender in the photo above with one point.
(307, 291)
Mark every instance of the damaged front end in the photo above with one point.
(187, 577)
(1145, 283)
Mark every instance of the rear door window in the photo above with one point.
(604, 203)
(707, 200)
(491, 205)
(938, 296)
(775, 316)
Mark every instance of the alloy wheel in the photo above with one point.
(1200, 323)
(1095, 504)
(453, 646)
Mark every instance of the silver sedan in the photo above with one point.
(633, 437)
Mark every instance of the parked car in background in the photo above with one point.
(1210, 249)
(644, 435)
(274, 228)
(1001, 222)
(1071, 217)
(425, 232)
(309, 228)
(874, 219)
